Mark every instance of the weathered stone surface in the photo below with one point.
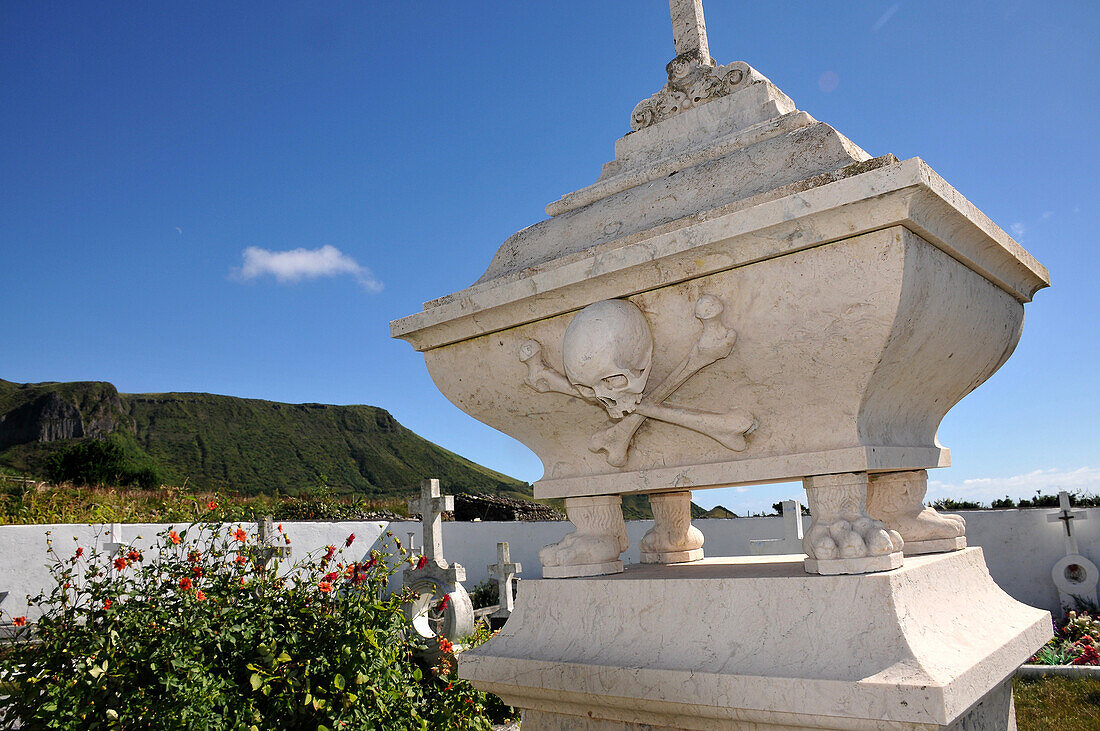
(496, 507)
(890, 650)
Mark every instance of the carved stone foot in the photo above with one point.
(843, 539)
(672, 539)
(897, 499)
(593, 548)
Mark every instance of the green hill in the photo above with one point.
(241, 445)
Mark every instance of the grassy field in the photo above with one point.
(1056, 703)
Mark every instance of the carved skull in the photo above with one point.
(607, 352)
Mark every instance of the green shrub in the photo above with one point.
(196, 634)
(99, 462)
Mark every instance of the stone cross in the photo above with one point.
(268, 548)
(431, 507)
(114, 545)
(1067, 517)
(689, 29)
(502, 572)
(791, 542)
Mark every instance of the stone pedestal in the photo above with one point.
(756, 643)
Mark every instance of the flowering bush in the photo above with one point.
(1074, 643)
(198, 634)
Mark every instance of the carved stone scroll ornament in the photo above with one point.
(691, 82)
(897, 499)
(843, 539)
(607, 353)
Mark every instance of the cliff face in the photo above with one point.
(48, 412)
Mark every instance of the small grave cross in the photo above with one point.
(1067, 517)
(114, 545)
(431, 507)
(268, 548)
(791, 542)
(689, 29)
(502, 572)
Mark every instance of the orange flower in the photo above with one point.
(211, 505)
(200, 596)
(121, 563)
(242, 581)
(133, 556)
(174, 537)
(325, 587)
(185, 583)
(107, 604)
(240, 535)
(241, 560)
(19, 621)
(445, 645)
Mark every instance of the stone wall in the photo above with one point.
(1020, 546)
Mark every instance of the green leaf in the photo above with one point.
(256, 681)
(338, 682)
(283, 657)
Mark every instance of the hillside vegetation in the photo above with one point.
(245, 446)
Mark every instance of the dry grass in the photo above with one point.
(1057, 703)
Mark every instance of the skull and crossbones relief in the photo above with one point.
(608, 354)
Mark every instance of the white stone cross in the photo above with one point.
(431, 507)
(114, 545)
(1067, 516)
(502, 572)
(689, 29)
(791, 542)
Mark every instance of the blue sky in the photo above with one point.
(158, 162)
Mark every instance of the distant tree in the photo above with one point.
(99, 462)
(952, 504)
(1006, 503)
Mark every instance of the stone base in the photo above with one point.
(866, 565)
(672, 556)
(584, 569)
(937, 545)
(756, 643)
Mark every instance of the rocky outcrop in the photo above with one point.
(46, 418)
(496, 507)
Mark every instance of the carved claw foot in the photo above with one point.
(672, 539)
(593, 548)
(897, 499)
(843, 538)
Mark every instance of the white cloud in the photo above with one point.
(298, 264)
(1048, 481)
(1047, 214)
(1018, 229)
(885, 18)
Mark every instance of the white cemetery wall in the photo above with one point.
(1020, 546)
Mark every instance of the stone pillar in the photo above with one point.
(897, 499)
(843, 539)
(594, 546)
(672, 539)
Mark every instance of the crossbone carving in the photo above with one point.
(607, 353)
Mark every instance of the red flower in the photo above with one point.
(443, 602)
(280, 527)
(194, 556)
(200, 596)
(19, 621)
(325, 587)
(79, 551)
(372, 562)
(241, 560)
(196, 570)
(349, 541)
(120, 563)
(185, 584)
(174, 537)
(133, 556)
(287, 539)
(211, 505)
(242, 581)
(332, 576)
(449, 686)
(422, 562)
(107, 604)
(240, 535)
